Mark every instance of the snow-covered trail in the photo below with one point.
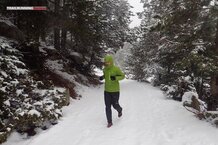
(148, 119)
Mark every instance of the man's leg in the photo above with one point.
(108, 102)
(115, 103)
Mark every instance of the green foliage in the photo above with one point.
(82, 26)
(25, 104)
(3, 137)
(180, 38)
(189, 35)
(143, 56)
(99, 25)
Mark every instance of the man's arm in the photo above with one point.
(120, 75)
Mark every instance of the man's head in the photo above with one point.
(108, 61)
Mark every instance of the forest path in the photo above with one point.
(148, 119)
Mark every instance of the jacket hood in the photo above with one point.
(109, 58)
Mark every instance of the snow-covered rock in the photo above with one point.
(187, 97)
(9, 30)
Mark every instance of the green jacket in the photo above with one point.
(112, 85)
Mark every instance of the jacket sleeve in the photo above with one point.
(119, 74)
(103, 74)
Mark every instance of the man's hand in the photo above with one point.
(101, 78)
(113, 78)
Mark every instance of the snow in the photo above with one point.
(7, 103)
(40, 92)
(54, 64)
(187, 79)
(58, 111)
(1, 79)
(34, 112)
(8, 129)
(98, 71)
(148, 119)
(76, 54)
(45, 46)
(21, 113)
(187, 97)
(150, 79)
(42, 50)
(19, 91)
(4, 74)
(171, 89)
(213, 3)
(15, 82)
(60, 89)
(137, 7)
(213, 112)
(39, 103)
(3, 89)
(7, 22)
(20, 71)
(57, 67)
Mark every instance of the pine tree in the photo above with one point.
(178, 37)
(187, 37)
(144, 51)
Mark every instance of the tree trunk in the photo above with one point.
(64, 25)
(213, 103)
(56, 38)
(63, 38)
(57, 29)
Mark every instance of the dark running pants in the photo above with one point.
(111, 98)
